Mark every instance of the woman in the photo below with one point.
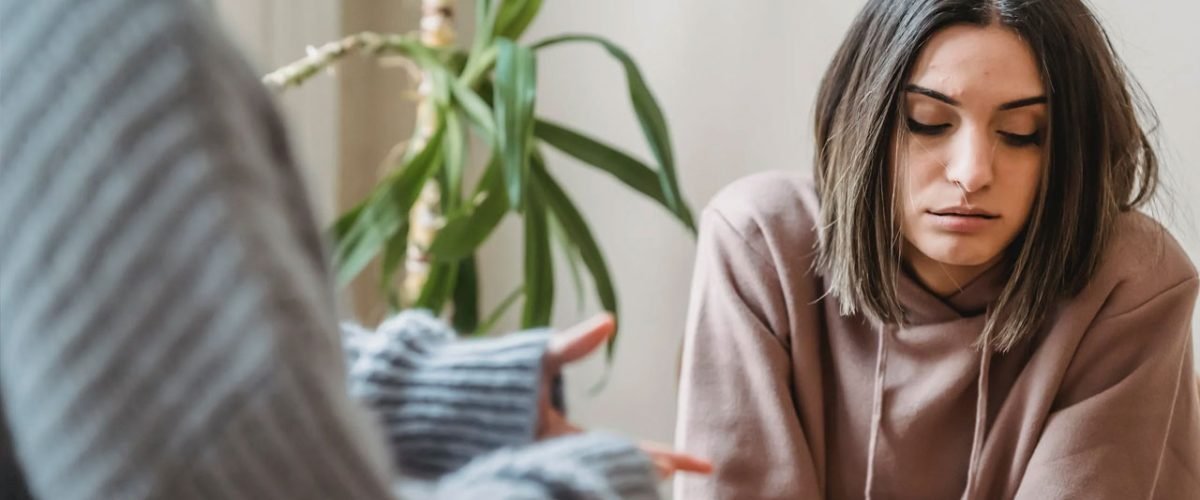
(964, 302)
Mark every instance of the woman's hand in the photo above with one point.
(574, 344)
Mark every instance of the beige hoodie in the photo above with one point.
(792, 401)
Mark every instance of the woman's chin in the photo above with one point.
(959, 255)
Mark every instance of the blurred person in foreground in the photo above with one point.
(167, 318)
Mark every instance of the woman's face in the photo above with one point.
(968, 167)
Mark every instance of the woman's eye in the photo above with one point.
(1034, 139)
(917, 127)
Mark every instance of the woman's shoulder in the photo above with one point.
(1142, 259)
(775, 208)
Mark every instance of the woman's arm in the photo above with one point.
(1125, 422)
(736, 404)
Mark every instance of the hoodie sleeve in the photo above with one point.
(736, 403)
(1125, 422)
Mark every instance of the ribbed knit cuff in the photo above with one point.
(593, 465)
(444, 401)
(627, 470)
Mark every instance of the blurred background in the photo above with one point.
(736, 81)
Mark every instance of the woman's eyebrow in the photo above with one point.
(1019, 103)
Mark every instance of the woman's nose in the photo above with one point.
(972, 158)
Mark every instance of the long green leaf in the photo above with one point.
(455, 145)
(377, 224)
(498, 313)
(463, 233)
(625, 168)
(477, 111)
(580, 234)
(478, 66)
(438, 287)
(346, 221)
(515, 16)
(650, 116)
(466, 296)
(440, 78)
(482, 50)
(539, 266)
(393, 254)
(485, 24)
(386, 210)
(467, 229)
(456, 61)
(571, 252)
(363, 239)
(515, 90)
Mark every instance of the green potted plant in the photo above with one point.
(424, 217)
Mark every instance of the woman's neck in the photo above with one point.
(940, 278)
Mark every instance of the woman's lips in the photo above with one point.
(962, 222)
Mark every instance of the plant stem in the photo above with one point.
(319, 58)
(425, 218)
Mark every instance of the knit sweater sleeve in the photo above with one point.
(444, 401)
(167, 325)
(594, 465)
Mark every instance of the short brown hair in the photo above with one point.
(1099, 162)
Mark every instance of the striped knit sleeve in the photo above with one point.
(167, 327)
(443, 401)
(446, 403)
(595, 465)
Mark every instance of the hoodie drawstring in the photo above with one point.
(978, 433)
(981, 414)
(877, 406)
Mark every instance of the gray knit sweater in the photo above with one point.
(167, 324)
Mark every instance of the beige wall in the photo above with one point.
(273, 33)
